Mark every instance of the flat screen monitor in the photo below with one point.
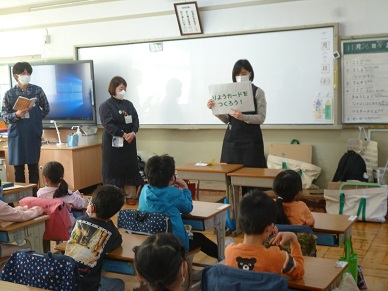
(69, 87)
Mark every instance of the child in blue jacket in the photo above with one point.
(166, 193)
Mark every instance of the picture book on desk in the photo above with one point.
(23, 103)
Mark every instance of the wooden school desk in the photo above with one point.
(206, 215)
(217, 172)
(319, 274)
(250, 177)
(31, 230)
(334, 224)
(122, 253)
(18, 192)
(8, 286)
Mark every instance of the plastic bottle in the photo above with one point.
(79, 133)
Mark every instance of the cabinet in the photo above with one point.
(83, 164)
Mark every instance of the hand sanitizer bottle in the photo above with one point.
(79, 133)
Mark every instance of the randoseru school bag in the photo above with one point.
(351, 167)
(47, 271)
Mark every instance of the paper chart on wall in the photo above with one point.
(365, 86)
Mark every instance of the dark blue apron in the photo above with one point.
(25, 135)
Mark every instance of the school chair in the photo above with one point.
(221, 277)
(47, 271)
(148, 223)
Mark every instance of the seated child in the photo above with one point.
(287, 185)
(166, 193)
(161, 263)
(93, 236)
(56, 187)
(257, 217)
(9, 215)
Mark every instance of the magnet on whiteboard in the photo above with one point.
(336, 55)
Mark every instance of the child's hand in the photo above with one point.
(39, 209)
(180, 183)
(282, 237)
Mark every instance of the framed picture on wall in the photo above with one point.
(188, 18)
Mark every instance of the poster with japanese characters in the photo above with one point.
(237, 96)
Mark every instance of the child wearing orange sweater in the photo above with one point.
(257, 221)
(287, 185)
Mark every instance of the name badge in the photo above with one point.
(128, 119)
(27, 115)
(117, 142)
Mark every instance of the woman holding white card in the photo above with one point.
(119, 153)
(243, 141)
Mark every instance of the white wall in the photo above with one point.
(126, 21)
(123, 21)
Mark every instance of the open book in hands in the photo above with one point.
(23, 103)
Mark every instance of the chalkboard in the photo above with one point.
(365, 80)
(168, 80)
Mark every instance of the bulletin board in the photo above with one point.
(168, 80)
(365, 80)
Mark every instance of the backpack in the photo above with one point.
(48, 271)
(351, 167)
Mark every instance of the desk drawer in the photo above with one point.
(118, 267)
(4, 236)
(195, 224)
(327, 239)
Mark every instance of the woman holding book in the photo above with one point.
(25, 123)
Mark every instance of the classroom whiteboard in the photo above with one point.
(365, 79)
(168, 80)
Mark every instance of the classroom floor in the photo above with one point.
(370, 242)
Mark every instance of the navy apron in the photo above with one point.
(25, 135)
(243, 142)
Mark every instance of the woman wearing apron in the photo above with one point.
(25, 125)
(243, 141)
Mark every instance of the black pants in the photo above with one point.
(207, 246)
(33, 175)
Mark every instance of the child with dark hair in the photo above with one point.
(95, 235)
(56, 187)
(287, 185)
(161, 263)
(257, 218)
(167, 193)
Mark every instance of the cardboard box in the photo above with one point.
(299, 152)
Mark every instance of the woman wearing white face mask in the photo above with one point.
(243, 141)
(119, 152)
(25, 126)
